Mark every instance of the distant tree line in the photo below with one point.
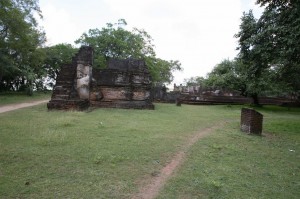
(26, 64)
(269, 54)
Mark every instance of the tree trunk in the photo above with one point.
(255, 99)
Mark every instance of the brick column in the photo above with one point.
(251, 121)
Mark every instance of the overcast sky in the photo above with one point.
(198, 33)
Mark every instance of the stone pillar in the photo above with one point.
(84, 74)
(84, 62)
(251, 121)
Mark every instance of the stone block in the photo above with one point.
(251, 121)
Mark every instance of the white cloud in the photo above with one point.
(58, 25)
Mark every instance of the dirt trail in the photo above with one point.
(12, 107)
(154, 184)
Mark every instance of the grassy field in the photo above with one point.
(15, 97)
(229, 164)
(107, 152)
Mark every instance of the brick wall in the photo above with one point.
(124, 84)
(251, 121)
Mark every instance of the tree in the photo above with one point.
(281, 22)
(225, 76)
(19, 39)
(255, 45)
(162, 70)
(197, 81)
(114, 41)
(55, 56)
(237, 76)
(269, 53)
(270, 46)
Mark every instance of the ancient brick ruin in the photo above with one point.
(123, 84)
(195, 95)
(251, 121)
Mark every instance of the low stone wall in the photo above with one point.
(212, 100)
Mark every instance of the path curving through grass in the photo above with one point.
(150, 187)
(12, 107)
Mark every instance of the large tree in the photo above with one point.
(269, 53)
(253, 46)
(226, 75)
(19, 39)
(238, 76)
(281, 22)
(114, 41)
(271, 45)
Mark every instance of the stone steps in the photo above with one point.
(122, 104)
(64, 83)
(60, 104)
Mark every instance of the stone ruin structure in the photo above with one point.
(251, 121)
(123, 84)
(195, 95)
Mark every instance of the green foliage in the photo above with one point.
(238, 76)
(271, 43)
(253, 63)
(55, 56)
(269, 53)
(19, 39)
(196, 81)
(162, 70)
(114, 41)
(225, 75)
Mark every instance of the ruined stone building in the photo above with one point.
(123, 84)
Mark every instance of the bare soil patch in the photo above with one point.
(150, 186)
(12, 107)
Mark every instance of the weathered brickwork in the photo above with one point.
(251, 121)
(123, 84)
(70, 91)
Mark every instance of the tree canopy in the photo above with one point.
(54, 57)
(114, 41)
(281, 22)
(271, 45)
(25, 64)
(269, 53)
(19, 39)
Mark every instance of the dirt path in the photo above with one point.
(154, 184)
(20, 105)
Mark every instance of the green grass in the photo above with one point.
(107, 152)
(19, 97)
(230, 164)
